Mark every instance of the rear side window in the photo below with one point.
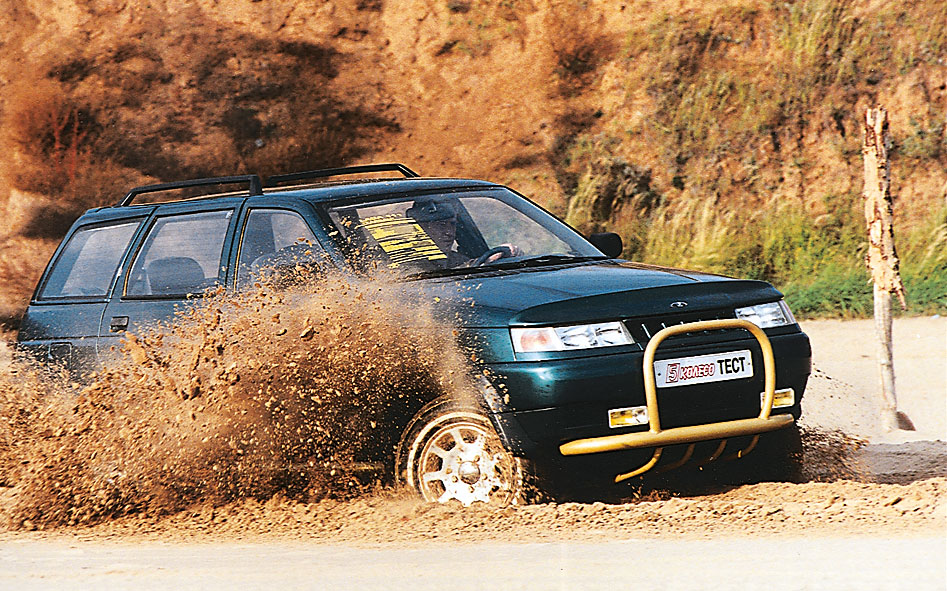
(88, 262)
(180, 256)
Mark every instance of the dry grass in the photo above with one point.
(52, 137)
(579, 43)
(737, 79)
(103, 117)
(21, 263)
(745, 120)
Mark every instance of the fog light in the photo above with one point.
(781, 398)
(628, 417)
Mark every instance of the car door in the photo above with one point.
(181, 256)
(62, 322)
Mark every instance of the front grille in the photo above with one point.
(701, 404)
(642, 329)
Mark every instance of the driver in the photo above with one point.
(438, 219)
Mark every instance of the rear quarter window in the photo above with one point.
(86, 265)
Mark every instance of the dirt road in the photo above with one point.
(875, 518)
(836, 563)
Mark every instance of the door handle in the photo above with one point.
(118, 324)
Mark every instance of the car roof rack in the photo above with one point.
(255, 186)
(327, 172)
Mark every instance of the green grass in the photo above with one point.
(846, 292)
(818, 263)
(837, 292)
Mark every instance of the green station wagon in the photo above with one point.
(600, 369)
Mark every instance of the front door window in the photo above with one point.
(276, 244)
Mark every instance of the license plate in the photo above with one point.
(719, 367)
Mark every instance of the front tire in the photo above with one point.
(450, 451)
(777, 457)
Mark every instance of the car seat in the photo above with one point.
(175, 276)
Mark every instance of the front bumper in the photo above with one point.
(678, 435)
(720, 411)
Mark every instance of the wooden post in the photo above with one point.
(882, 259)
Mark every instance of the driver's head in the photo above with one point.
(439, 220)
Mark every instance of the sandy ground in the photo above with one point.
(845, 391)
(837, 563)
(883, 525)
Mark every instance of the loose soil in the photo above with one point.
(150, 495)
(892, 484)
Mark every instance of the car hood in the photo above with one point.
(583, 292)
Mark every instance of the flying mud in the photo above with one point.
(239, 397)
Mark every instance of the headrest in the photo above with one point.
(431, 211)
(175, 275)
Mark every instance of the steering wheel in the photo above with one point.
(504, 251)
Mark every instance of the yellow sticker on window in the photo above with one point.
(402, 239)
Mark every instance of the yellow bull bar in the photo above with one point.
(657, 438)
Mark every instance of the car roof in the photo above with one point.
(374, 188)
(311, 192)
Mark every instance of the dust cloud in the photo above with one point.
(249, 396)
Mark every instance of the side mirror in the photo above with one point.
(608, 242)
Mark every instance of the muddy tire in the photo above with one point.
(776, 458)
(782, 454)
(450, 452)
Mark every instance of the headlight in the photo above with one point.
(767, 315)
(570, 338)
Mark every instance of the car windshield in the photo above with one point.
(435, 234)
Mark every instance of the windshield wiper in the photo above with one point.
(518, 263)
(450, 272)
(546, 259)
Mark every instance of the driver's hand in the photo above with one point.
(515, 251)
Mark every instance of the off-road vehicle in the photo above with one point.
(599, 367)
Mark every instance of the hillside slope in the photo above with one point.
(635, 115)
